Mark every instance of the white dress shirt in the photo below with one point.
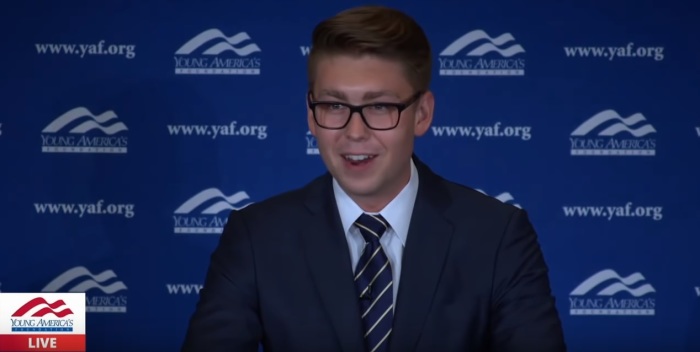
(397, 213)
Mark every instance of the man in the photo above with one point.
(379, 254)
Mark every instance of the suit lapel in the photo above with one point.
(327, 254)
(424, 255)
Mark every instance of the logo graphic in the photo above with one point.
(42, 322)
(219, 55)
(44, 309)
(305, 50)
(213, 218)
(105, 301)
(79, 131)
(504, 197)
(617, 296)
(633, 142)
(311, 144)
(489, 56)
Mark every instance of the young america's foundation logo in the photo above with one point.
(607, 293)
(42, 321)
(80, 131)
(215, 207)
(311, 144)
(621, 137)
(103, 292)
(57, 308)
(213, 53)
(486, 56)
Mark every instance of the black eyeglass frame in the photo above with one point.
(358, 109)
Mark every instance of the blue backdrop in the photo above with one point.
(129, 130)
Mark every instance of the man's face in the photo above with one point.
(372, 166)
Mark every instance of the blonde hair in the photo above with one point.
(375, 30)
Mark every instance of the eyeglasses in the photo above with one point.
(380, 116)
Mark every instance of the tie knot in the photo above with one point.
(372, 227)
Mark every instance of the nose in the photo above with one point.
(356, 128)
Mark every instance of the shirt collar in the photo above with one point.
(398, 212)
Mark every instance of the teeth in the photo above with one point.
(358, 157)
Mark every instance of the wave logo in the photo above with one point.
(607, 293)
(504, 197)
(100, 295)
(210, 219)
(311, 144)
(617, 136)
(487, 56)
(80, 131)
(213, 53)
(43, 308)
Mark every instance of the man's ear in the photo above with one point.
(424, 113)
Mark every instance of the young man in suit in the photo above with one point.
(380, 253)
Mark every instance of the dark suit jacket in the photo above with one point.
(473, 278)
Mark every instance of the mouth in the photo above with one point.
(358, 159)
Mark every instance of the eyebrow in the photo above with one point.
(367, 96)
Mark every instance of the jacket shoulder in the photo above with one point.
(465, 196)
(482, 213)
(284, 204)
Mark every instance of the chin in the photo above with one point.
(358, 187)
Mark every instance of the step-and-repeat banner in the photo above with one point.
(129, 131)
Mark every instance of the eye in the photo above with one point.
(379, 107)
(332, 106)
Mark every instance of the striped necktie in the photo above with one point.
(374, 284)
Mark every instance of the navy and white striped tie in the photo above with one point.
(374, 283)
